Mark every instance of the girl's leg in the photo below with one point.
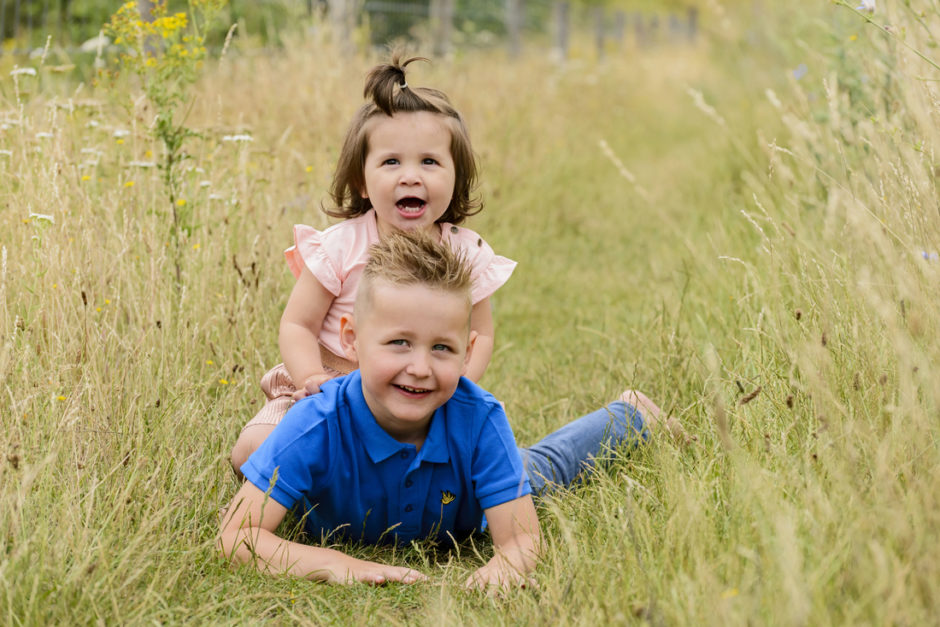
(558, 459)
(279, 389)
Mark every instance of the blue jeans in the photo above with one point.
(558, 459)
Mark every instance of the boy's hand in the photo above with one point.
(376, 574)
(498, 576)
(311, 386)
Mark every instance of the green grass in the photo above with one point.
(772, 245)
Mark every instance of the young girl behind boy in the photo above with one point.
(406, 164)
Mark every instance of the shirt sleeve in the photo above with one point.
(497, 471)
(311, 250)
(489, 270)
(293, 459)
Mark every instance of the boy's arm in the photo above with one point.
(481, 321)
(517, 539)
(247, 536)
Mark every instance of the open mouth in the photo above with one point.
(410, 204)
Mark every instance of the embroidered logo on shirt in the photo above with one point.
(447, 497)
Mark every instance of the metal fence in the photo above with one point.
(25, 25)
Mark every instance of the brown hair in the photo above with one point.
(415, 258)
(390, 94)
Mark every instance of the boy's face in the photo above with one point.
(413, 344)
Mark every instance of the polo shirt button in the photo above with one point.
(453, 229)
(409, 483)
(404, 454)
(408, 508)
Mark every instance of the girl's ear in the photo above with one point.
(347, 336)
(466, 358)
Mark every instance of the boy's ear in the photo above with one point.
(347, 336)
(466, 358)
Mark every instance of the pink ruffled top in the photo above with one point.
(337, 255)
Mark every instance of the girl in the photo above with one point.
(406, 164)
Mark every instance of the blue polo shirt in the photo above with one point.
(353, 479)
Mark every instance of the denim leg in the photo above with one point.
(560, 457)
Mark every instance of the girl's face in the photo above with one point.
(409, 171)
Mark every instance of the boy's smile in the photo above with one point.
(409, 171)
(412, 344)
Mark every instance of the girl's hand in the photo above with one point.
(311, 386)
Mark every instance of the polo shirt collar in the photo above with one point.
(377, 442)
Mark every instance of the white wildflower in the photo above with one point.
(216, 197)
(205, 183)
(43, 135)
(20, 71)
(866, 5)
(6, 153)
(238, 138)
(92, 124)
(141, 164)
(41, 217)
(121, 132)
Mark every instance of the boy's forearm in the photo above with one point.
(521, 554)
(274, 555)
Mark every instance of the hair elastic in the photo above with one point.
(403, 85)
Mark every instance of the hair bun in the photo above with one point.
(382, 80)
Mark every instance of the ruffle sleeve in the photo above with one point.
(309, 251)
(490, 271)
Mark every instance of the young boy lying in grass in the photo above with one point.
(405, 448)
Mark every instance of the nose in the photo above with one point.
(419, 365)
(409, 175)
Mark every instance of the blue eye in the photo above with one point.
(399, 342)
(429, 161)
(441, 347)
(390, 162)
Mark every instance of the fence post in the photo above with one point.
(514, 14)
(599, 30)
(343, 18)
(561, 29)
(620, 25)
(442, 21)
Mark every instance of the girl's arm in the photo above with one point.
(481, 321)
(517, 539)
(247, 536)
(300, 327)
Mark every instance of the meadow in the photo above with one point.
(746, 229)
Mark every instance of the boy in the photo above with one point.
(405, 448)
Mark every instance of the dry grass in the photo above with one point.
(755, 265)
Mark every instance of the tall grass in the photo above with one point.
(747, 247)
